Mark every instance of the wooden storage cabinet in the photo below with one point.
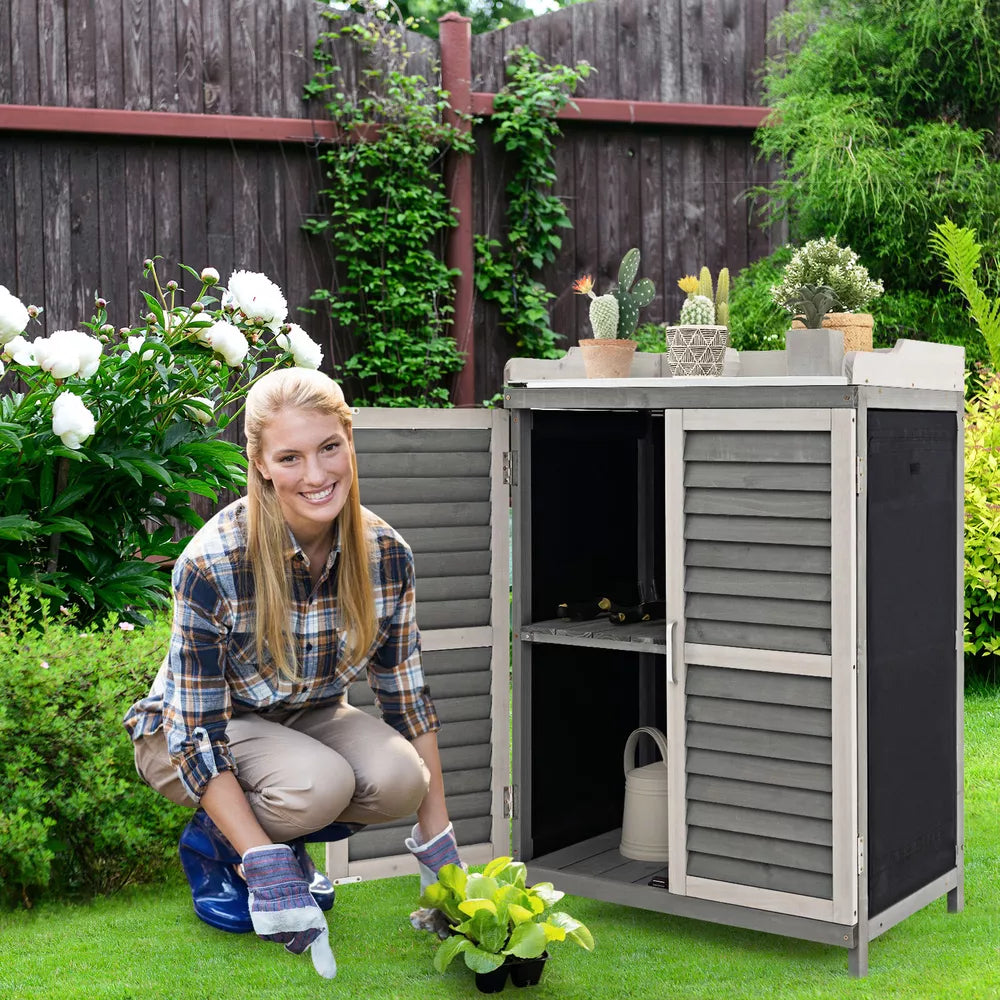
(807, 542)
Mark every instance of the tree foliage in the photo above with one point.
(885, 114)
(487, 15)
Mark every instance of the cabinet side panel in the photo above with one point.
(911, 620)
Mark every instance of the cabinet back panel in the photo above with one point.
(584, 705)
(597, 515)
(911, 620)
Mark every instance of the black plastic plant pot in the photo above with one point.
(527, 971)
(492, 982)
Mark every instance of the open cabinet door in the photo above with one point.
(437, 477)
(762, 680)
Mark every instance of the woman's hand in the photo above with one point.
(281, 907)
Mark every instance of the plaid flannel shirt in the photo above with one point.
(212, 671)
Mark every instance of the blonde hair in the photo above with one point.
(267, 542)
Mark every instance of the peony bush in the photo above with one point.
(106, 433)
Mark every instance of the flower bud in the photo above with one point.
(107, 329)
(103, 338)
(34, 311)
(148, 262)
(210, 276)
(196, 307)
(171, 286)
(150, 318)
(100, 303)
(216, 363)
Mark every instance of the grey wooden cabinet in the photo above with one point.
(806, 536)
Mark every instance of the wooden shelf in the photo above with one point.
(638, 637)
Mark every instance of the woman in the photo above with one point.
(280, 601)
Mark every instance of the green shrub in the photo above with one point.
(755, 322)
(982, 529)
(651, 338)
(75, 819)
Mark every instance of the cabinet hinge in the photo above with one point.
(860, 481)
(509, 802)
(510, 468)
(861, 855)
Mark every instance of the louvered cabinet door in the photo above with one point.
(437, 477)
(762, 675)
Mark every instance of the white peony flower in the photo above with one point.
(20, 351)
(68, 352)
(72, 422)
(135, 346)
(306, 352)
(257, 297)
(202, 413)
(227, 340)
(210, 276)
(13, 316)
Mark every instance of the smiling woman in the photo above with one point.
(281, 601)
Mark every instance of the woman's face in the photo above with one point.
(307, 457)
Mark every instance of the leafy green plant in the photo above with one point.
(982, 527)
(524, 113)
(651, 338)
(74, 819)
(884, 117)
(116, 429)
(824, 262)
(385, 213)
(495, 914)
(958, 251)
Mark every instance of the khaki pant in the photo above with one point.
(304, 769)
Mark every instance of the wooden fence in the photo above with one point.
(86, 194)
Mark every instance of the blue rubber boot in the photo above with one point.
(321, 888)
(218, 893)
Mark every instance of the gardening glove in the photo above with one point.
(281, 907)
(433, 855)
(431, 858)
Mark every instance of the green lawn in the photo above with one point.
(145, 943)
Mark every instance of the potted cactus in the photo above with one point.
(614, 317)
(697, 344)
(500, 925)
(823, 262)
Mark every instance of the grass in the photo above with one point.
(145, 943)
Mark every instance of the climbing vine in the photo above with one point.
(385, 213)
(524, 113)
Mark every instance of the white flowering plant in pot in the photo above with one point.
(106, 433)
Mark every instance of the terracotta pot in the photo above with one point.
(605, 358)
(857, 329)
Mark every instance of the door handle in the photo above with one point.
(671, 679)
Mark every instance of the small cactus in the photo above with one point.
(631, 300)
(603, 309)
(722, 298)
(697, 310)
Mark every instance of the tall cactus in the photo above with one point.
(631, 300)
(722, 298)
(705, 284)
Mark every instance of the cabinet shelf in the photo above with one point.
(599, 633)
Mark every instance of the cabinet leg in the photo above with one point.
(857, 958)
(956, 899)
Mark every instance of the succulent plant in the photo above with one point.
(631, 300)
(616, 313)
(810, 303)
(705, 284)
(697, 310)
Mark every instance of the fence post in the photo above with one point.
(456, 78)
